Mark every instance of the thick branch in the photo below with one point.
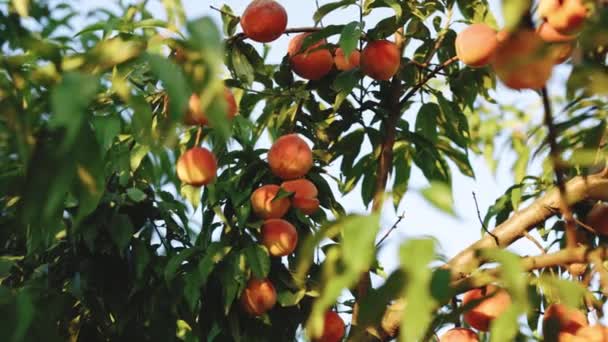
(594, 187)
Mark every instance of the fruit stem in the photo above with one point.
(199, 132)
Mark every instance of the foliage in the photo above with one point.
(100, 240)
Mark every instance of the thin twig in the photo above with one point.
(224, 12)
(242, 35)
(431, 75)
(555, 155)
(198, 136)
(485, 229)
(391, 229)
(535, 242)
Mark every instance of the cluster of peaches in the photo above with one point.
(266, 20)
(524, 58)
(561, 323)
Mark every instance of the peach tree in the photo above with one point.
(164, 179)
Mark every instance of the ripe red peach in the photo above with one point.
(314, 62)
(522, 62)
(196, 116)
(305, 195)
(480, 316)
(258, 297)
(290, 157)
(344, 64)
(264, 20)
(197, 167)
(476, 45)
(279, 236)
(559, 318)
(565, 16)
(597, 218)
(265, 205)
(333, 328)
(459, 335)
(380, 60)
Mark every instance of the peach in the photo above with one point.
(522, 62)
(459, 335)
(597, 218)
(562, 45)
(290, 157)
(333, 328)
(196, 116)
(305, 195)
(264, 20)
(380, 60)
(476, 45)
(258, 297)
(480, 316)
(314, 62)
(565, 16)
(279, 236)
(197, 167)
(594, 333)
(265, 205)
(344, 64)
(559, 318)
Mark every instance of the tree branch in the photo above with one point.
(558, 168)
(594, 187)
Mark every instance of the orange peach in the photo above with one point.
(559, 318)
(561, 44)
(597, 218)
(459, 335)
(594, 333)
(522, 62)
(565, 16)
(264, 20)
(333, 328)
(258, 297)
(279, 236)
(314, 62)
(344, 64)
(197, 167)
(265, 205)
(476, 45)
(380, 60)
(480, 316)
(290, 157)
(305, 195)
(196, 116)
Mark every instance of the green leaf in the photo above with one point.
(327, 8)
(513, 11)
(215, 253)
(415, 257)
(69, 111)
(107, 129)
(230, 21)
(24, 314)
(136, 195)
(258, 260)
(233, 277)
(426, 121)
(174, 82)
(242, 67)
(349, 39)
(192, 194)
(440, 195)
(22, 7)
(175, 262)
(121, 230)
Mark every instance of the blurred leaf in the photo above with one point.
(440, 195)
(192, 194)
(415, 257)
(22, 7)
(136, 195)
(174, 82)
(215, 253)
(513, 10)
(175, 262)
